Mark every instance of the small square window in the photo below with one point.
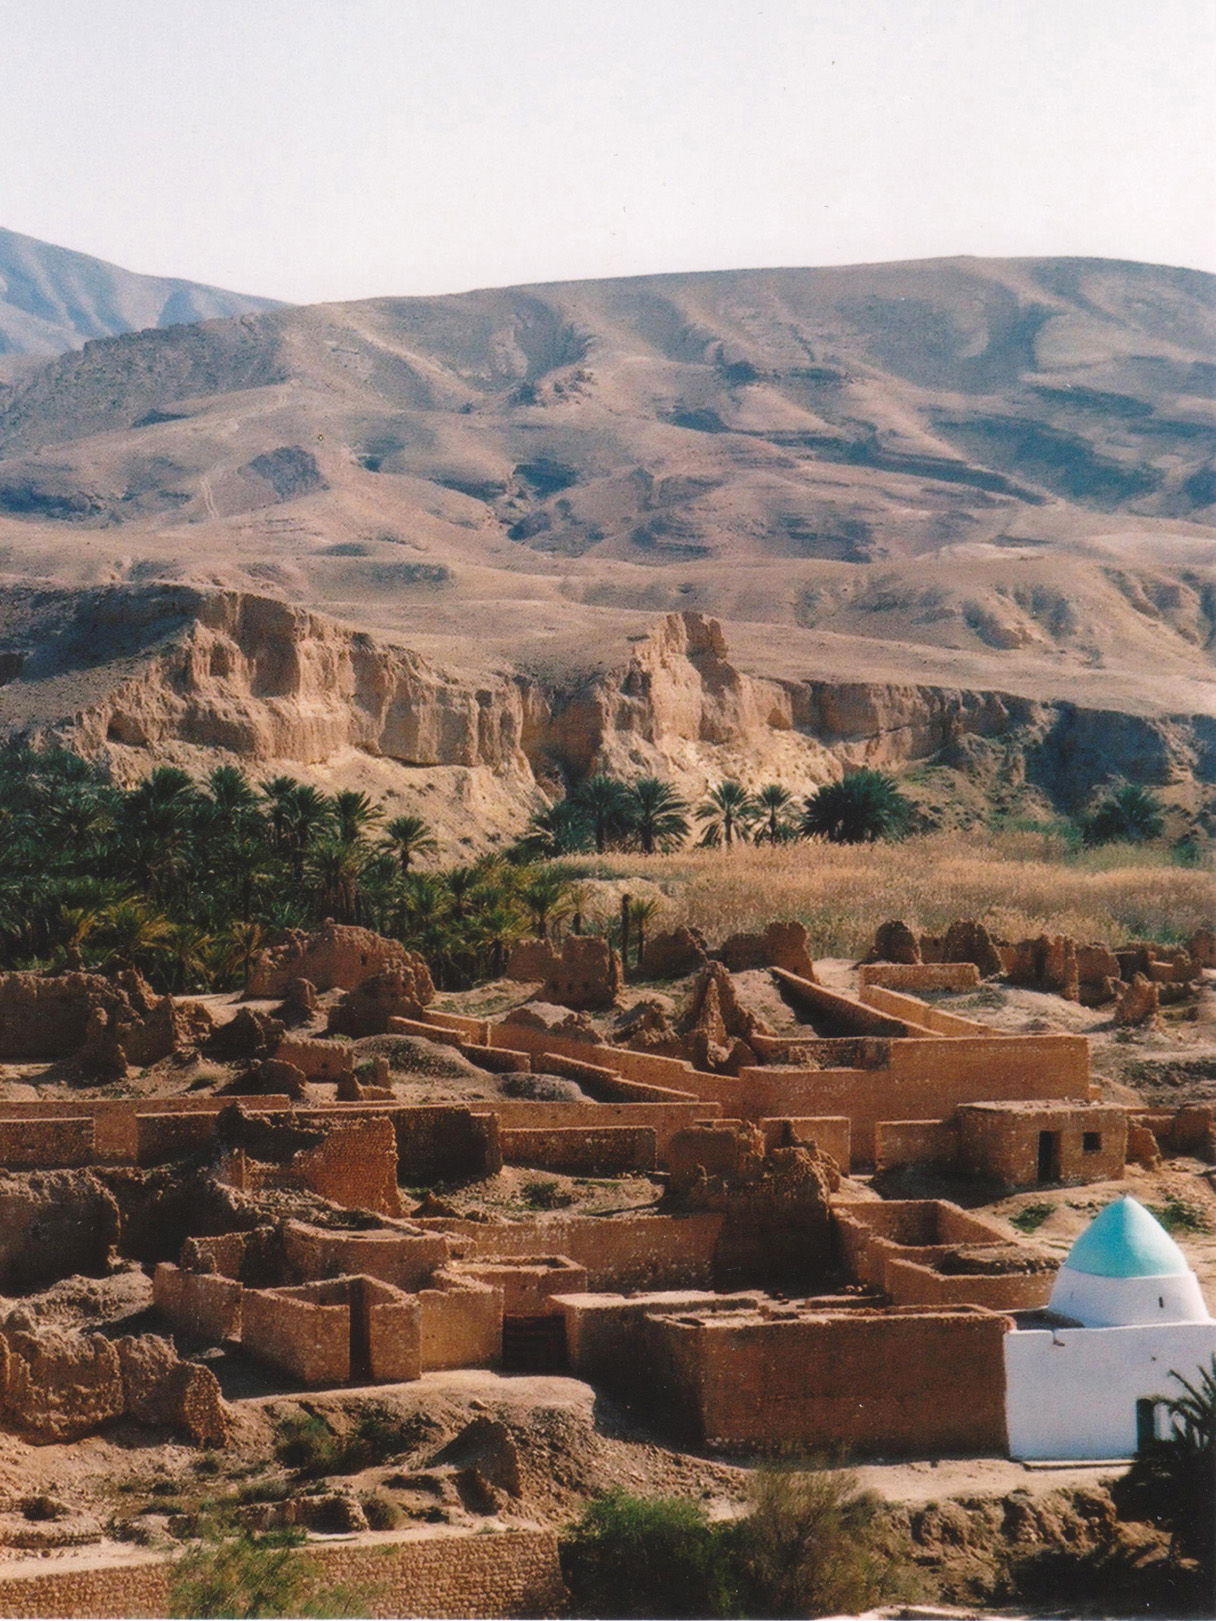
(1091, 1142)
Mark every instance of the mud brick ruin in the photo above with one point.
(765, 1299)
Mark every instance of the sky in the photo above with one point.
(331, 149)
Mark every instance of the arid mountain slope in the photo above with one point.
(975, 476)
(52, 299)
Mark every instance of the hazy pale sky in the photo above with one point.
(327, 149)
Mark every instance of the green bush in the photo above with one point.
(1031, 1217)
(242, 1574)
(307, 1444)
(810, 1545)
(641, 1556)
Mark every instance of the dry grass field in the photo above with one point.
(1018, 884)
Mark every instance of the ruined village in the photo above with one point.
(418, 1283)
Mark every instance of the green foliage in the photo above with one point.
(1127, 813)
(727, 814)
(243, 1574)
(639, 1556)
(810, 1545)
(543, 1194)
(863, 807)
(305, 1443)
(381, 1512)
(1176, 1216)
(1031, 1217)
(1172, 1482)
(657, 816)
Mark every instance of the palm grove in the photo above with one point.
(186, 880)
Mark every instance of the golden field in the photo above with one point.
(1017, 884)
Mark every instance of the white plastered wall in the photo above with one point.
(1072, 1392)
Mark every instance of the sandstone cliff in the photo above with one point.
(140, 675)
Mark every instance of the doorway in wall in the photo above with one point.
(1049, 1156)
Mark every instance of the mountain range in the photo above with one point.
(969, 475)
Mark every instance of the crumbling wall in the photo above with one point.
(582, 1150)
(588, 974)
(780, 945)
(355, 1166)
(404, 1257)
(103, 1022)
(52, 1224)
(528, 1283)
(501, 1573)
(160, 1389)
(919, 977)
(291, 1330)
(618, 1252)
(47, 1145)
(337, 957)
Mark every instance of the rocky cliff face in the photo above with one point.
(138, 675)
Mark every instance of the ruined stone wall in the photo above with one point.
(461, 1323)
(493, 1573)
(829, 1133)
(663, 1119)
(47, 1145)
(393, 1330)
(914, 1282)
(875, 994)
(605, 1338)
(926, 1080)
(402, 1258)
(204, 1305)
(310, 1341)
(868, 1232)
(528, 1283)
(162, 1138)
(888, 1382)
(915, 1142)
(916, 977)
(582, 1150)
(619, 1252)
(355, 1167)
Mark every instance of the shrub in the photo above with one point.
(814, 1545)
(811, 1545)
(1031, 1217)
(382, 1513)
(242, 1574)
(1171, 1482)
(542, 1194)
(639, 1556)
(307, 1444)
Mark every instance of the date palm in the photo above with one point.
(658, 815)
(864, 806)
(728, 812)
(773, 802)
(409, 837)
(608, 805)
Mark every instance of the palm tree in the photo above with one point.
(548, 896)
(658, 815)
(334, 866)
(728, 812)
(864, 806)
(608, 806)
(1171, 1481)
(355, 814)
(136, 933)
(157, 824)
(1127, 813)
(774, 802)
(641, 914)
(563, 829)
(410, 836)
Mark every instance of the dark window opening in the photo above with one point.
(1091, 1142)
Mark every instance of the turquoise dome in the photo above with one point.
(1126, 1241)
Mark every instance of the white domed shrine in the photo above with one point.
(1091, 1376)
